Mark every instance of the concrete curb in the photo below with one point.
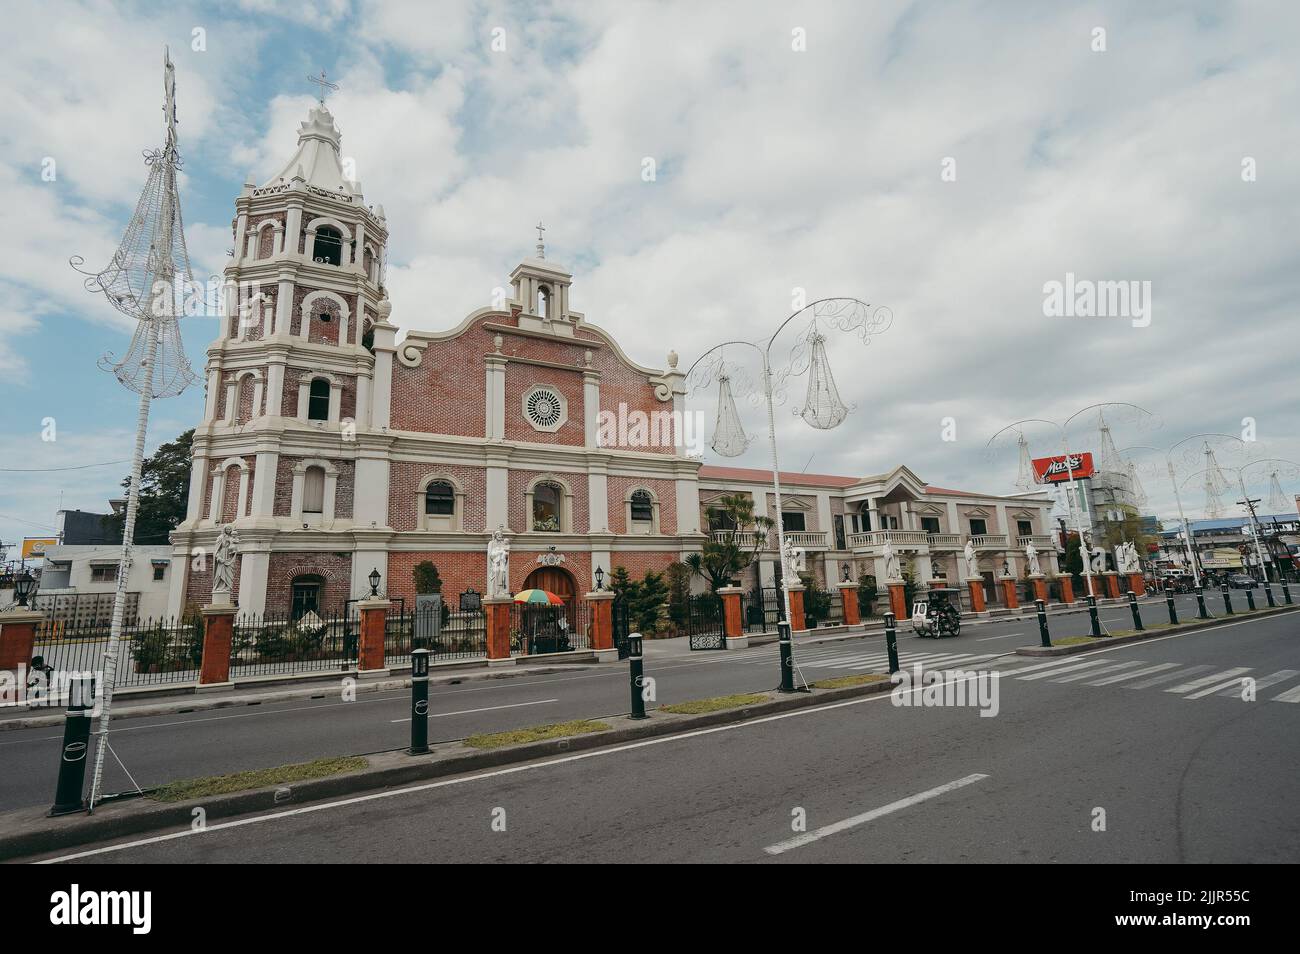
(1106, 642)
(28, 832)
(197, 702)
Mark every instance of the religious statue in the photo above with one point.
(223, 564)
(1126, 558)
(892, 570)
(1031, 559)
(972, 561)
(1098, 560)
(498, 566)
(794, 559)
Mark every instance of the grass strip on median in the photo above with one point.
(716, 704)
(536, 733)
(187, 788)
(844, 682)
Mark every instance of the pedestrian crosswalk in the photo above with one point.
(1175, 679)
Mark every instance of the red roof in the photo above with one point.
(709, 472)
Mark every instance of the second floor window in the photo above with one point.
(546, 507)
(792, 520)
(930, 524)
(642, 506)
(439, 499)
(313, 490)
(978, 527)
(318, 400)
(1024, 527)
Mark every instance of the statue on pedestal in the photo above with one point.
(892, 569)
(794, 560)
(1031, 559)
(972, 561)
(498, 566)
(223, 564)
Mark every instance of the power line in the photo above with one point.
(50, 470)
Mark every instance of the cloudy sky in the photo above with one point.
(948, 160)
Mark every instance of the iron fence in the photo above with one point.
(539, 628)
(150, 652)
(273, 644)
(760, 609)
(446, 633)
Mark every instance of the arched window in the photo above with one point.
(313, 490)
(318, 400)
(643, 510)
(329, 246)
(546, 506)
(306, 594)
(543, 301)
(439, 499)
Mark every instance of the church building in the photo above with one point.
(333, 450)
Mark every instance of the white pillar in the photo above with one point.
(254, 570)
(495, 397)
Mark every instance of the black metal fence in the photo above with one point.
(760, 609)
(150, 652)
(539, 628)
(447, 634)
(274, 644)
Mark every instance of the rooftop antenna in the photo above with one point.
(140, 282)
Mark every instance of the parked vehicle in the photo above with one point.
(1240, 581)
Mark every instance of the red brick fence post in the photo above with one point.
(849, 604)
(1009, 594)
(374, 624)
(18, 637)
(218, 636)
(602, 624)
(1067, 589)
(733, 627)
(497, 611)
(798, 622)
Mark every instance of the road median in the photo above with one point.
(30, 832)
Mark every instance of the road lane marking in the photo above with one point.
(1291, 695)
(1207, 680)
(513, 705)
(1217, 687)
(1176, 674)
(1282, 675)
(1133, 675)
(1097, 672)
(1060, 670)
(818, 834)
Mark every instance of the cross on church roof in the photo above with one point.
(541, 247)
(323, 83)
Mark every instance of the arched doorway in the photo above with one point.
(559, 581)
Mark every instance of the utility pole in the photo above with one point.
(1249, 504)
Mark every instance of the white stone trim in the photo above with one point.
(640, 526)
(217, 501)
(308, 245)
(304, 395)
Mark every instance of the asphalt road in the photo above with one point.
(159, 749)
(1154, 736)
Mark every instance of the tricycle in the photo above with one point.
(936, 614)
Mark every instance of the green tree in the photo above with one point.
(679, 591)
(164, 492)
(721, 561)
(645, 599)
(426, 577)
(1073, 558)
(867, 595)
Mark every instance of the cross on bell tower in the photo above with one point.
(541, 246)
(324, 85)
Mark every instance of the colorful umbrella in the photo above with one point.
(538, 596)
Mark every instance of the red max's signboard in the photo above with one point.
(1055, 470)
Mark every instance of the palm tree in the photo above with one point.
(727, 554)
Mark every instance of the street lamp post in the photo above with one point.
(844, 314)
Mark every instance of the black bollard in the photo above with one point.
(1286, 592)
(1250, 599)
(891, 641)
(1227, 600)
(1092, 615)
(1133, 608)
(1201, 611)
(1043, 635)
(1268, 594)
(1169, 601)
(636, 675)
(419, 702)
(786, 648)
(76, 744)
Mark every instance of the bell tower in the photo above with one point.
(291, 378)
(541, 293)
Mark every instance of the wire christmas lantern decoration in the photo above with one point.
(729, 437)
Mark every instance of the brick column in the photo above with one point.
(733, 627)
(602, 624)
(1137, 583)
(374, 622)
(218, 633)
(498, 630)
(898, 601)
(1040, 586)
(798, 623)
(1009, 592)
(849, 604)
(1094, 586)
(1112, 584)
(976, 586)
(1067, 588)
(18, 637)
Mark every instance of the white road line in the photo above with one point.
(1217, 687)
(513, 705)
(1060, 670)
(809, 837)
(1291, 695)
(1207, 680)
(1133, 675)
(188, 832)
(1176, 674)
(1282, 675)
(1097, 672)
